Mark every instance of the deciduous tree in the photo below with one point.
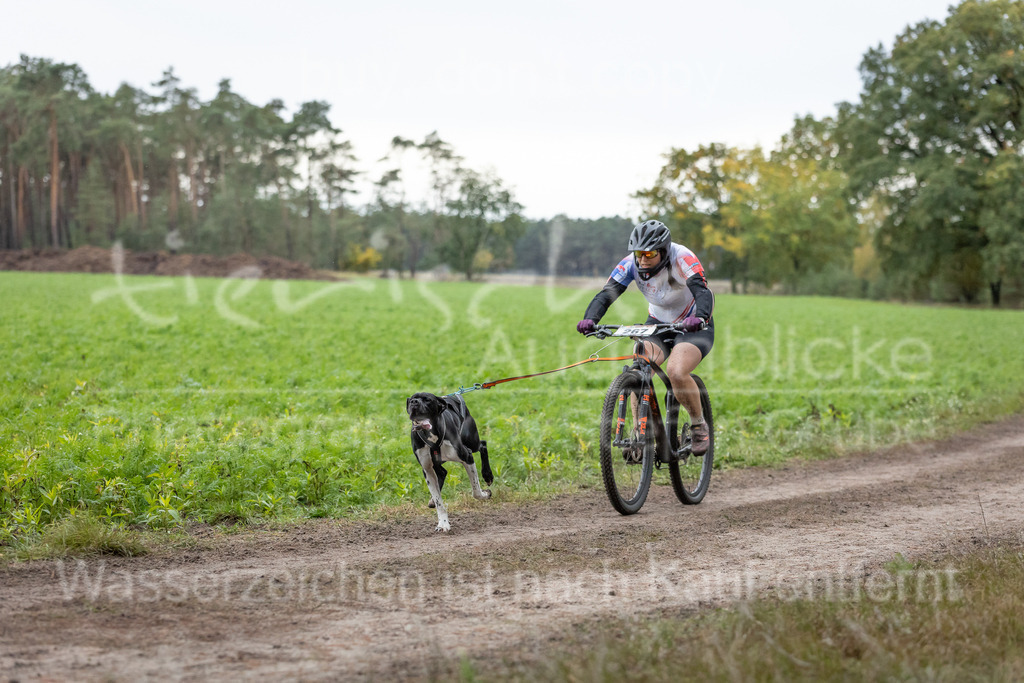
(482, 215)
(937, 136)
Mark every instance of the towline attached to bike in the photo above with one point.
(594, 358)
(614, 331)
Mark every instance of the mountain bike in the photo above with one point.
(637, 436)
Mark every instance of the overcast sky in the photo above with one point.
(573, 104)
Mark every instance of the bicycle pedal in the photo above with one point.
(669, 457)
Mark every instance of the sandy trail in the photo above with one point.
(328, 600)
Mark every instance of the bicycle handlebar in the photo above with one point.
(602, 331)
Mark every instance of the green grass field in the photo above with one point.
(151, 401)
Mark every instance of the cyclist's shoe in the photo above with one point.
(700, 438)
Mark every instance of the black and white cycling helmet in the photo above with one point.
(650, 236)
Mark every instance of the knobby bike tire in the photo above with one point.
(627, 467)
(691, 492)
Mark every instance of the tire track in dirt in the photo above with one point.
(385, 600)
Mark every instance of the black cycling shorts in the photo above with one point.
(702, 339)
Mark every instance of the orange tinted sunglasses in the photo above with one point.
(645, 254)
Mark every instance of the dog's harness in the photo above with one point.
(442, 429)
(435, 446)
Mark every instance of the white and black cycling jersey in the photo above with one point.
(672, 293)
(677, 291)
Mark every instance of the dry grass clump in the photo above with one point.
(83, 536)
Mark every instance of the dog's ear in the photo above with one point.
(438, 404)
(408, 406)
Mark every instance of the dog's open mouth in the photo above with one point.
(423, 425)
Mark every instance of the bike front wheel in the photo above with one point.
(627, 443)
(691, 474)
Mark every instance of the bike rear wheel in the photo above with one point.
(691, 474)
(627, 443)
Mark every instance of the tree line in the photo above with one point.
(914, 191)
(161, 168)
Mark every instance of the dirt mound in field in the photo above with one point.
(97, 260)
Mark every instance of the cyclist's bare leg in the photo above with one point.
(683, 360)
(654, 352)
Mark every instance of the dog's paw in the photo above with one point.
(484, 495)
(443, 526)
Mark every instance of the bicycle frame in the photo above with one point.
(669, 448)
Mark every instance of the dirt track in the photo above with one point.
(382, 601)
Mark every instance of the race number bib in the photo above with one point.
(635, 331)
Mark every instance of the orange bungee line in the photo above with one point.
(495, 382)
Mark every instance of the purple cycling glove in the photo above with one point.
(585, 326)
(691, 324)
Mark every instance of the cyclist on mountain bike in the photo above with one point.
(672, 280)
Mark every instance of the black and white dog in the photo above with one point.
(444, 431)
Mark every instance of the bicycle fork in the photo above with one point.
(642, 411)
